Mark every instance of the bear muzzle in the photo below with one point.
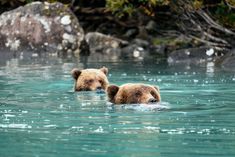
(99, 89)
(152, 100)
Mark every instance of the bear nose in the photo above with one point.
(152, 100)
(99, 88)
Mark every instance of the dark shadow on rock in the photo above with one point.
(228, 62)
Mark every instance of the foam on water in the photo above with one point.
(16, 126)
(146, 107)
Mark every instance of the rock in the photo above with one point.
(193, 55)
(130, 33)
(210, 52)
(65, 20)
(133, 51)
(151, 26)
(99, 42)
(229, 63)
(141, 49)
(157, 50)
(141, 42)
(40, 26)
(233, 51)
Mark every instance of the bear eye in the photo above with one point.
(90, 81)
(100, 81)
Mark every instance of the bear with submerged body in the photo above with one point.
(133, 94)
(90, 79)
(130, 93)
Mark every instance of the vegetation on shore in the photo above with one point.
(201, 22)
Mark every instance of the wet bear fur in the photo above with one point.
(90, 79)
(133, 94)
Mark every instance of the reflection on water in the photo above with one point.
(210, 68)
(40, 115)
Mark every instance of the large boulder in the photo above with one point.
(104, 47)
(137, 49)
(40, 26)
(193, 55)
(99, 42)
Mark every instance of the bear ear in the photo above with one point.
(75, 73)
(112, 91)
(157, 88)
(104, 70)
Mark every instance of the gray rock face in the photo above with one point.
(192, 55)
(229, 61)
(133, 51)
(99, 42)
(104, 47)
(151, 26)
(40, 26)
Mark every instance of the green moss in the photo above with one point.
(123, 7)
(162, 41)
(172, 42)
(169, 41)
(54, 10)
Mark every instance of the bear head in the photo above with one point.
(90, 79)
(133, 94)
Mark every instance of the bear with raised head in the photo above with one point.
(133, 94)
(90, 79)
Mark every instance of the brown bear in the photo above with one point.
(90, 79)
(133, 94)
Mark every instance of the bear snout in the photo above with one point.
(152, 100)
(100, 90)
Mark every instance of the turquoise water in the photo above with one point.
(40, 115)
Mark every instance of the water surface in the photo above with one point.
(40, 115)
